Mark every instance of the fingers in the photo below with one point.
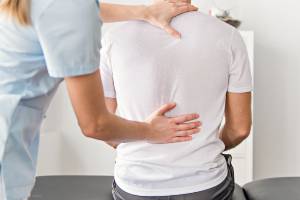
(185, 8)
(180, 8)
(178, 4)
(180, 139)
(176, 1)
(187, 133)
(170, 30)
(188, 126)
(165, 108)
(184, 136)
(185, 118)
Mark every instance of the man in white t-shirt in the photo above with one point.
(206, 71)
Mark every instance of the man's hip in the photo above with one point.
(223, 191)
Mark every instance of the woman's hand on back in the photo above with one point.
(161, 13)
(172, 129)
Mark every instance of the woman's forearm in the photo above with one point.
(86, 94)
(116, 12)
(95, 121)
(112, 128)
(157, 129)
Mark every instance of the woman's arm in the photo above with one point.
(160, 13)
(111, 105)
(86, 94)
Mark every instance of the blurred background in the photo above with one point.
(276, 131)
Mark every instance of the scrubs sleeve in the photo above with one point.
(69, 34)
(106, 70)
(240, 79)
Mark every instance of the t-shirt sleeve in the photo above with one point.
(106, 69)
(69, 34)
(240, 79)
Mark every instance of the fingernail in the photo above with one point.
(178, 36)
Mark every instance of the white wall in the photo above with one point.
(277, 97)
(277, 85)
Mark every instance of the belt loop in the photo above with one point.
(229, 160)
(114, 184)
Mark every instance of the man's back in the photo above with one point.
(143, 68)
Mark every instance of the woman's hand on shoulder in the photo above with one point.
(161, 13)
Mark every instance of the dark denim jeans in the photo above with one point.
(223, 191)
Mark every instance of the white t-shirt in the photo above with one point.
(144, 68)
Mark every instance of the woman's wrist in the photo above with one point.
(135, 131)
(142, 12)
(148, 133)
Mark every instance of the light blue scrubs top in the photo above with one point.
(63, 41)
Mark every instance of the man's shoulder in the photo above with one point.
(197, 16)
(201, 22)
(186, 18)
(191, 23)
(124, 30)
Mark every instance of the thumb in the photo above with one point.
(170, 30)
(165, 108)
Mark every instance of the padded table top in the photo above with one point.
(72, 188)
(83, 188)
(238, 193)
(274, 189)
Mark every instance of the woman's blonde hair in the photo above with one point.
(17, 9)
